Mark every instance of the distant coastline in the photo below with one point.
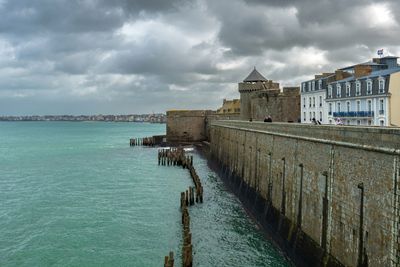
(154, 118)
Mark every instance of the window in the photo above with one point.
(338, 90)
(305, 115)
(348, 106)
(381, 107)
(330, 121)
(381, 85)
(358, 88)
(330, 108)
(304, 102)
(338, 107)
(358, 122)
(358, 106)
(313, 101)
(310, 116)
(329, 91)
(303, 87)
(313, 115)
(348, 89)
(369, 87)
(309, 86)
(320, 101)
(319, 84)
(313, 85)
(320, 116)
(369, 104)
(382, 123)
(369, 122)
(309, 99)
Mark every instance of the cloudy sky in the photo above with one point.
(142, 56)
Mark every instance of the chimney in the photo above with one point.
(362, 70)
(339, 75)
(326, 74)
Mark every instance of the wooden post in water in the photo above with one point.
(169, 260)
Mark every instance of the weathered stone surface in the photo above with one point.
(311, 177)
(188, 126)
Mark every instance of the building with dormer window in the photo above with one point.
(313, 94)
(362, 94)
(372, 94)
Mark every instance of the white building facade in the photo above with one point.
(362, 99)
(313, 94)
(363, 94)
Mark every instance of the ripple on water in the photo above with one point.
(75, 194)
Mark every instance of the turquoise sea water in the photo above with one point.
(76, 194)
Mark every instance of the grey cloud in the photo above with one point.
(69, 56)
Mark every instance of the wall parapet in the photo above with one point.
(386, 140)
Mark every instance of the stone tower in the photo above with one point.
(253, 83)
(260, 97)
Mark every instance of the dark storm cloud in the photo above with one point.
(259, 25)
(122, 56)
(44, 16)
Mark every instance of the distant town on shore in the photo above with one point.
(153, 118)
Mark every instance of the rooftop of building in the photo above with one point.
(255, 76)
(380, 67)
(322, 78)
(373, 74)
(368, 63)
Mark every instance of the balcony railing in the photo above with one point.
(354, 114)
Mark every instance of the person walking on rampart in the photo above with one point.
(339, 121)
(316, 122)
(268, 119)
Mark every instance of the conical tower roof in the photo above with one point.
(255, 76)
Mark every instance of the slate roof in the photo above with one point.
(365, 64)
(255, 76)
(372, 75)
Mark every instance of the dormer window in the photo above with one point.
(348, 89)
(313, 85)
(358, 88)
(338, 90)
(329, 91)
(369, 87)
(309, 86)
(381, 85)
(319, 84)
(303, 87)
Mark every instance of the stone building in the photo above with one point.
(260, 97)
(229, 107)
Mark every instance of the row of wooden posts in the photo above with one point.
(177, 157)
(187, 255)
(144, 141)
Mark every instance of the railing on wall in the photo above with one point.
(354, 114)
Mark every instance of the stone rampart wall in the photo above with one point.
(188, 126)
(332, 193)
